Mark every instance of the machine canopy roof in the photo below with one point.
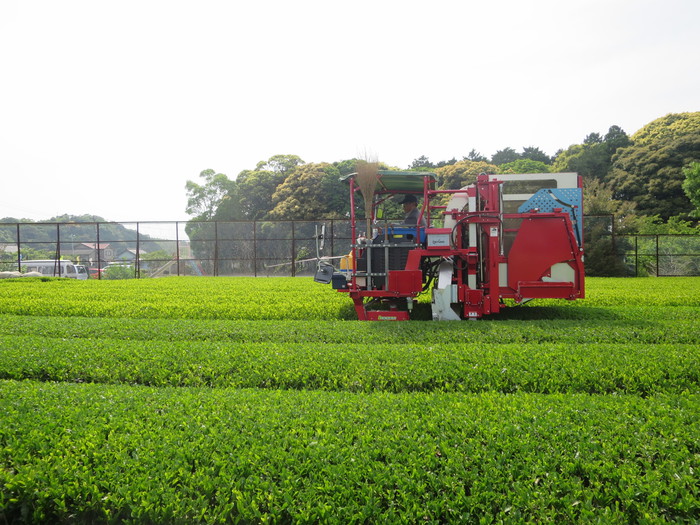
(401, 181)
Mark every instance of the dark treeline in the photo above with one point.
(647, 183)
(640, 176)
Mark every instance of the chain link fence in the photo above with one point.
(155, 249)
(283, 248)
(609, 253)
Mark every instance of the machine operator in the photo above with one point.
(410, 208)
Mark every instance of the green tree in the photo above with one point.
(592, 159)
(475, 156)
(678, 240)
(650, 170)
(524, 166)
(152, 261)
(593, 138)
(691, 185)
(605, 216)
(280, 164)
(66, 217)
(615, 139)
(346, 167)
(444, 163)
(460, 174)
(204, 199)
(536, 154)
(229, 208)
(598, 199)
(255, 191)
(421, 163)
(673, 226)
(119, 271)
(504, 156)
(312, 191)
(254, 188)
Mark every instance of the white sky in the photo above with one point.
(108, 108)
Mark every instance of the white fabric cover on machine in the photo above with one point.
(443, 294)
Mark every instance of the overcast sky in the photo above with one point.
(108, 108)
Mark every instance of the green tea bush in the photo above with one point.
(280, 298)
(96, 453)
(237, 400)
(543, 367)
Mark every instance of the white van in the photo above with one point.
(53, 268)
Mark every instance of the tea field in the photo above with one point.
(242, 400)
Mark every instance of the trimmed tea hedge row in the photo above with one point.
(176, 298)
(287, 298)
(350, 422)
(358, 367)
(97, 453)
(629, 325)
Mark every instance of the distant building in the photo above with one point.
(92, 252)
(129, 255)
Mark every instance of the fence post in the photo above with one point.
(294, 244)
(613, 234)
(19, 251)
(216, 248)
(58, 250)
(99, 258)
(255, 248)
(177, 247)
(137, 266)
(657, 254)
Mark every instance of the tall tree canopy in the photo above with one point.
(650, 171)
(536, 154)
(647, 170)
(254, 188)
(593, 158)
(308, 193)
(616, 138)
(255, 191)
(280, 164)
(502, 156)
(460, 174)
(524, 166)
(691, 185)
(346, 167)
(421, 163)
(203, 200)
(475, 156)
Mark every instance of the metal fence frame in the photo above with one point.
(269, 248)
(267, 253)
(658, 257)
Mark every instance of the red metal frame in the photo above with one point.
(541, 241)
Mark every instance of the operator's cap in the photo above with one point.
(408, 198)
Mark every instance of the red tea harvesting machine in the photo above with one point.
(505, 237)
